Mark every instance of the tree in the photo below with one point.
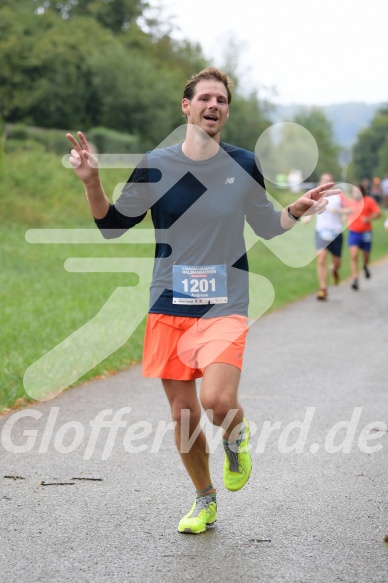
(368, 151)
(45, 73)
(64, 73)
(315, 121)
(381, 168)
(248, 119)
(135, 95)
(64, 65)
(117, 15)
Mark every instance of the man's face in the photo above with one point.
(326, 178)
(208, 107)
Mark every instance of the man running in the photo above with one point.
(328, 238)
(364, 210)
(199, 192)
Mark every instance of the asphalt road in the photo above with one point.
(86, 505)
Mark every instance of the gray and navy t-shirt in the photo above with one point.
(198, 210)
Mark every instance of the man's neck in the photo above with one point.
(198, 145)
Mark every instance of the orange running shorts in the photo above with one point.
(179, 348)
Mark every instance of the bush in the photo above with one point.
(52, 140)
(2, 140)
(12, 145)
(112, 142)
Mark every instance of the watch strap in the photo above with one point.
(291, 215)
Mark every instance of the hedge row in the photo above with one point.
(104, 140)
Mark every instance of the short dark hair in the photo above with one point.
(208, 73)
(361, 188)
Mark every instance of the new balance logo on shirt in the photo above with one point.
(229, 180)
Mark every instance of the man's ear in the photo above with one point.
(186, 106)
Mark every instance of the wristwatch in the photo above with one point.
(291, 215)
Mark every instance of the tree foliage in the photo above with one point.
(117, 15)
(45, 73)
(370, 152)
(316, 122)
(248, 119)
(79, 64)
(60, 66)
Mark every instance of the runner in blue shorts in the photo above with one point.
(365, 210)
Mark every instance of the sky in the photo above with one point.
(310, 52)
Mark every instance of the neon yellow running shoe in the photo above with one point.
(203, 514)
(238, 463)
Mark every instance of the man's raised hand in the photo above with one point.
(84, 163)
(314, 201)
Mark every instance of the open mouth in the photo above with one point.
(211, 117)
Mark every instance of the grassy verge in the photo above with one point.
(42, 303)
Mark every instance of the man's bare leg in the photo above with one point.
(219, 395)
(322, 269)
(353, 251)
(182, 395)
(354, 261)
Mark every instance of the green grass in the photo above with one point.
(42, 303)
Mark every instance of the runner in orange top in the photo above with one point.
(365, 210)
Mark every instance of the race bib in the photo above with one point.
(199, 284)
(367, 236)
(327, 235)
